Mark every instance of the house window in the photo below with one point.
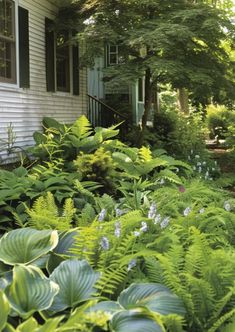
(140, 90)
(112, 55)
(62, 62)
(7, 42)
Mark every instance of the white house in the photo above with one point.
(39, 71)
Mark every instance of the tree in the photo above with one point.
(177, 42)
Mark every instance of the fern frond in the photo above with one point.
(202, 296)
(86, 243)
(82, 127)
(45, 213)
(154, 270)
(85, 192)
(110, 280)
(145, 154)
(105, 202)
(173, 323)
(222, 303)
(169, 175)
(226, 317)
(229, 327)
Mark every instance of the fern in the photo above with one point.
(82, 127)
(203, 277)
(145, 154)
(87, 242)
(226, 317)
(45, 213)
(221, 304)
(85, 192)
(110, 280)
(230, 327)
(169, 175)
(173, 323)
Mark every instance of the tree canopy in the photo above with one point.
(179, 42)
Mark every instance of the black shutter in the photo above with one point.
(50, 55)
(76, 70)
(23, 47)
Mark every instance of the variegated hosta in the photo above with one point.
(27, 289)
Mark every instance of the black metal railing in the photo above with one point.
(102, 115)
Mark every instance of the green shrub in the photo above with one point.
(219, 118)
(98, 166)
(179, 134)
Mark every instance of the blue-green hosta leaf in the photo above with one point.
(30, 290)
(155, 297)
(22, 246)
(133, 321)
(63, 249)
(110, 307)
(4, 310)
(76, 280)
(66, 242)
(6, 280)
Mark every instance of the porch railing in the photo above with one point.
(102, 115)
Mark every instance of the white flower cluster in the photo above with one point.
(201, 167)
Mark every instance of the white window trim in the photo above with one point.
(15, 85)
(112, 53)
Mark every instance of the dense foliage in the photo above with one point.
(99, 236)
(184, 43)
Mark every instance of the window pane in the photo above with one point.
(5, 59)
(113, 49)
(62, 63)
(112, 59)
(7, 42)
(7, 18)
(140, 90)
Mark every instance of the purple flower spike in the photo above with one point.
(104, 243)
(102, 215)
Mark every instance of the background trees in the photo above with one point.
(180, 42)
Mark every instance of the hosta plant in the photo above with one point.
(66, 298)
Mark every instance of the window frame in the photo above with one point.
(69, 83)
(113, 53)
(13, 81)
(73, 72)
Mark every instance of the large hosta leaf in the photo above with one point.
(155, 297)
(26, 245)
(133, 321)
(63, 249)
(4, 310)
(30, 290)
(76, 280)
(110, 307)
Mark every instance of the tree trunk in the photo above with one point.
(183, 100)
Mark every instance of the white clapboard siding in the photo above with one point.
(25, 108)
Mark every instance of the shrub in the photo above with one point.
(219, 118)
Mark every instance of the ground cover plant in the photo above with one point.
(99, 236)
